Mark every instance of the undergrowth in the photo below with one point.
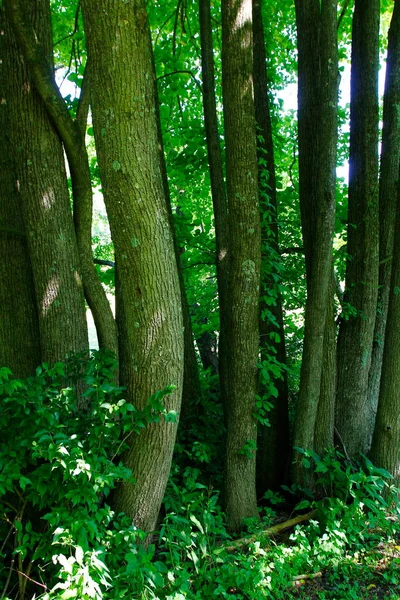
(61, 539)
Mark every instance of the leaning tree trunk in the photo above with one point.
(72, 134)
(317, 123)
(354, 414)
(43, 195)
(385, 450)
(19, 331)
(150, 317)
(273, 448)
(389, 172)
(240, 331)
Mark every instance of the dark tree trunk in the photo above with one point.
(19, 331)
(42, 188)
(354, 413)
(241, 335)
(273, 449)
(385, 450)
(218, 190)
(317, 123)
(151, 345)
(389, 172)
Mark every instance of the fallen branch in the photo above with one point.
(276, 529)
(300, 579)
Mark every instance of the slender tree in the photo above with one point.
(386, 438)
(357, 324)
(389, 171)
(240, 334)
(317, 126)
(149, 320)
(273, 449)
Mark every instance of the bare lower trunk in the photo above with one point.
(354, 413)
(241, 335)
(149, 304)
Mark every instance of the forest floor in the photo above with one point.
(374, 575)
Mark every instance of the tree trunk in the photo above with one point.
(241, 334)
(218, 189)
(150, 316)
(42, 188)
(273, 449)
(354, 414)
(19, 330)
(72, 134)
(386, 439)
(389, 172)
(317, 123)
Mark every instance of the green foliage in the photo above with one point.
(63, 432)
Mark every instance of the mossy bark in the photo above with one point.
(151, 345)
(240, 337)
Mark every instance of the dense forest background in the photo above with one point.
(233, 251)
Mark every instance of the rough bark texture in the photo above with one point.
(354, 414)
(43, 195)
(389, 171)
(19, 330)
(317, 118)
(72, 135)
(386, 439)
(273, 447)
(149, 320)
(241, 334)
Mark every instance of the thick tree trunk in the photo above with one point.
(386, 439)
(72, 134)
(317, 117)
(273, 449)
(389, 172)
(241, 334)
(43, 195)
(354, 414)
(19, 330)
(150, 324)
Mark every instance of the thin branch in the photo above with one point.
(84, 102)
(343, 12)
(106, 263)
(76, 26)
(187, 71)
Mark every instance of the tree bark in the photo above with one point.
(354, 414)
(386, 438)
(151, 347)
(317, 124)
(218, 189)
(241, 334)
(273, 448)
(72, 134)
(41, 184)
(389, 172)
(19, 329)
